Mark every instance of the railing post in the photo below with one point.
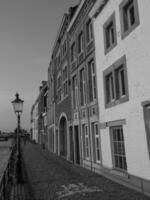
(4, 186)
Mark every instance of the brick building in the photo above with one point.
(85, 112)
(59, 93)
(73, 128)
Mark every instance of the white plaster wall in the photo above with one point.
(136, 47)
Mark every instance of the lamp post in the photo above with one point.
(18, 109)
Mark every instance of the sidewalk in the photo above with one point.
(51, 178)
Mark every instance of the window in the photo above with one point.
(110, 38)
(129, 16)
(146, 111)
(89, 31)
(118, 148)
(59, 59)
(86, 141)
(115, 82)
(95, 133)
(92, 81)
(82, 87)
(59, 88)
(110, 88)
(64, 49)
(80, 42)
(73, 52)
(120, 82)
(65, 81)
(75, 91)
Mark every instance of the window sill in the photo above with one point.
(80, 57)
(73, 65)
(98, 162)
(92, 102)
(107, 50)
(117, 102)
(87, 159)
(90, 46)
(64, 97)
(120, 173)
(59, 102)
(83, 106)
(126, 33)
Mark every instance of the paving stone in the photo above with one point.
(52, 177)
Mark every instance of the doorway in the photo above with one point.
(71, 144)
(63, 137)
(77, 146)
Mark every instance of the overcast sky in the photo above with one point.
(28, 29)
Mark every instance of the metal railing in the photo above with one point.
(8, 176)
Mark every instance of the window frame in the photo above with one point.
(121, 63)
(65, 81)
(106, 32)
(122, 6)
(64, 48)
(80, 42)
(86, 145)
(115, 144)
(146, 114)
(96, 137)
(59, 79)
(92, 80)
(59, 59)
(73, 52)
(82, 86)
(75, 91)
(89, 31)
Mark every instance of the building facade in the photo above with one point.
(85, 112)
(98, 98)
(59, 93)
(42, 114)
(73, 116)
(121, 30)
(52, 146)
(34, 121)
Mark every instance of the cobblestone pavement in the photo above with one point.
(53, 178)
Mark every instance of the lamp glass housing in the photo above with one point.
(17, 104)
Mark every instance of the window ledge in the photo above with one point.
(107, 50)
(119, 173)
(64, 97)
(117, 102)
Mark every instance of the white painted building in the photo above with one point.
(122, 43)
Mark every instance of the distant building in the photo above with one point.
(42, 114)
(39, 116)
(34, 121)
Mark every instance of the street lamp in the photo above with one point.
(18, 109)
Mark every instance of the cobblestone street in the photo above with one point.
(52, 178)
